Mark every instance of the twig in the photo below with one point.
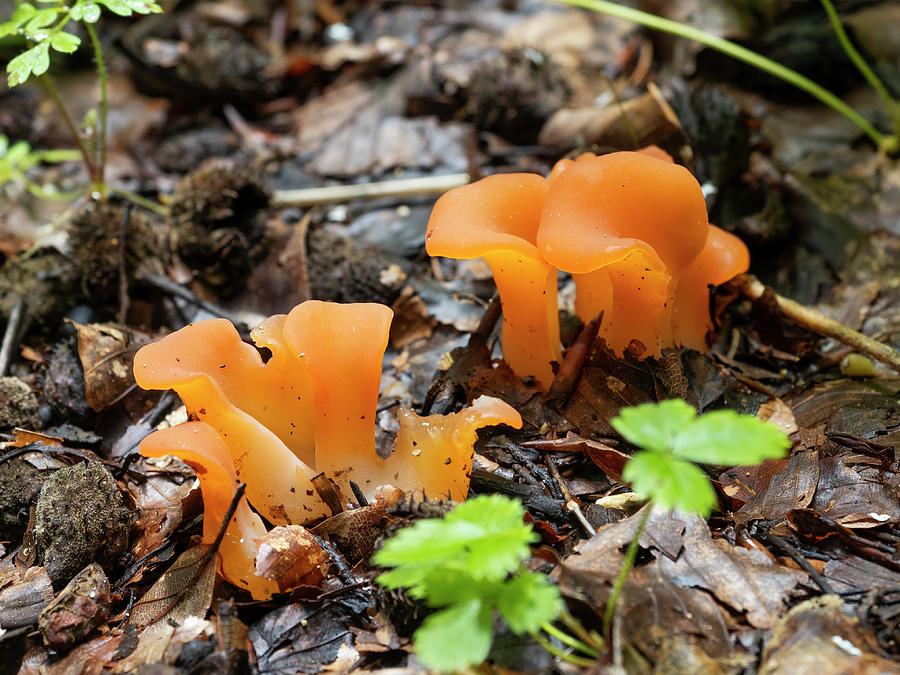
(303, 291)
(571, 503)
(817, 322)
(9, 335)
(229, 514)
(172, 288)
(794, 554)
(406, 187)
(573, 363)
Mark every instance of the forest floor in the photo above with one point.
(238, 118)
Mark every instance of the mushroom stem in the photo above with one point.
(528, 295)
(198, 445)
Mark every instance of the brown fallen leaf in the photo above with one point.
(817, 636)
(745, 580)
(791, 488)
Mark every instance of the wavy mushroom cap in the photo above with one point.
(497, 213)
(600, 209)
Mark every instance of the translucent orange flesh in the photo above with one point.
(497, 218)
(434, 453)
(342, 347)
(198, 445)
(723, 257)
(599, 209)
(210, 368)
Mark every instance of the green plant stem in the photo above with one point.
(738, 52)
(627, 564)
(148, 204)
(569, 640)
(48, 85)
(98, 181)
(560, 654)
(589, 637)
(862, 66)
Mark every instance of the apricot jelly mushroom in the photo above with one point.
(342, 347)
(198, 444)
(625, 225)
(723, 257)
(223, 381)
(497, 218)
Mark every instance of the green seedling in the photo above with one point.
(889, 144)
(44, 27)
(673, 438)
(18, 158)
(469, 565)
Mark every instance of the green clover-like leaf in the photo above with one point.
(33, 61)
(456, 637)
(724, 437)
(528, 601)
(65, 42)
(652, 426)
(670, 482)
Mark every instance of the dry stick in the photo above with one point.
(571, 504)
(9, 335)
(573, 363)
(163, 284)
(817, 322)
(405, 187)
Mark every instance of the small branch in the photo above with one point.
(817, 322)
(163, 284)
(406, 187)
(9, 335)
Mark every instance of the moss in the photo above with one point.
(81, 518)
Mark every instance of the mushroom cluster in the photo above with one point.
(309, 409)
(631, 228)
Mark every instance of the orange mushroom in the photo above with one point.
(224, 382)
(625, 225)
(341, 347)
(723, 257)
(198, 444)
(497, 218)
(333, 355)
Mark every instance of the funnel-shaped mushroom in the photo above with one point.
(215, 374)
(342, 347)
(198, 445)
(723, 257)
(497, 218)
(625, 225)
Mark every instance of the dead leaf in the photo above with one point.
(106, 351)
(184, 590)
(745, 580)
(817, 636)
(791, 488)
